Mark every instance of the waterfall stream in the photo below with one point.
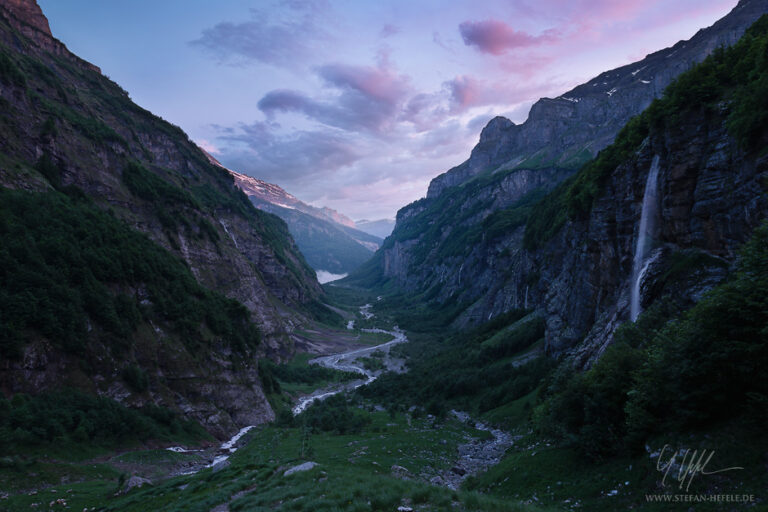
(644, 235)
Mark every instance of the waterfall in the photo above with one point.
(644, 235)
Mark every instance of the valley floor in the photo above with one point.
(369, 449)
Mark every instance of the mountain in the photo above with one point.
(563, 244)
(327, 246)
(132, 267)
(569, 130)
(328, 240)
(270, 193)
(381, 228)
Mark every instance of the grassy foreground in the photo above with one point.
(354, 472)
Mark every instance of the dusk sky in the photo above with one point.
(356, 105)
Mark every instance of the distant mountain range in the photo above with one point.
(327, 239)
(381, 228)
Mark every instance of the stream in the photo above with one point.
(345, 361)
(350, 362)
(474, 456)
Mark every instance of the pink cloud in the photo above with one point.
(496, 37)
(378, 83)
(468, 92)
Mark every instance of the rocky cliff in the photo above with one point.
(66, 129)
(28, 12)
(568, 130)
(712, 195)
(564, 244)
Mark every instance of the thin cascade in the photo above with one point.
(644, 235)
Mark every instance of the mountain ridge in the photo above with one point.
(568, 130)
(328, 239)
(73, 137)
(471, 250)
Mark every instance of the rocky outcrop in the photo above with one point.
(568, 130)
(27, 17)
(30, 13)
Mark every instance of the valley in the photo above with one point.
(574, 318)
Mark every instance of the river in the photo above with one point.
(345, 361)
(350, 362)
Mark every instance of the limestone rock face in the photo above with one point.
(570, 129)
(30, 13)
(712, 196)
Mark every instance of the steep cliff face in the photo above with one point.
(441, 243)
(558, 137)
(68, 129)
(712, 195)
(527, 239)
(568, 130)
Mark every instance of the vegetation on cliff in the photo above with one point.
(73, 273)
(672, 371)
(732, 82)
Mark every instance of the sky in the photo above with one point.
(358, 104)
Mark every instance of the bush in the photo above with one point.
(73, 416)
(700, 364)
(136, 379)
(334, 414)
(65, 264)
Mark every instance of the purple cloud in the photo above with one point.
(496, 37)
(280, 42)
(389, 30)
(300, 155)
(368, 98)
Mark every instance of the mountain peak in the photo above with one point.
(566, 131)
(30, 13)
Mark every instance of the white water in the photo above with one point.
(644, 235)
(348, 362)
(226, 230)
(323, 276)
